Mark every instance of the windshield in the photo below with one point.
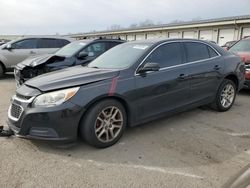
(70, 49)
(241, 46)
(121, 56)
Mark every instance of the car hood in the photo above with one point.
(70, 77)
(35, 61)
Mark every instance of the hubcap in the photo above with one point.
(108, 124)
(227, 95)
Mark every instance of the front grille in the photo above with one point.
(22, 97)
(16, 111)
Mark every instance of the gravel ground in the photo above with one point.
(198, 148)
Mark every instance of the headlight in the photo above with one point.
(55, 98)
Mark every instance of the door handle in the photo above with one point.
(217, 67)
(32, 52)
(183, 76)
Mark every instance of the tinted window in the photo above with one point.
(95, 49)
(196, 51)
(166, 55)
(25, 44)
(61, 43)
(49, 43)
(212, 53)
(111, 44)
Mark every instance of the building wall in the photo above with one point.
(219, 33)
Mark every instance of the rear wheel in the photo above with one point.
(225, 96)
(104, 123)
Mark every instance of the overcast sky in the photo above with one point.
(74, 16)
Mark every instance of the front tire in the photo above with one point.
(225, 96)
(1, 71)
(104, 123)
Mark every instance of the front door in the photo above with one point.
(20, 51)
(164, 90)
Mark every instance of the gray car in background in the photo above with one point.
(18, 50)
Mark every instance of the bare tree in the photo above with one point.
(146, 22)
(115, 27)
(134, 25)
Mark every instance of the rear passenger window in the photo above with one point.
(212, 53)
(166, 55)
(196, 51)
(112, 44)
(52, 43)
(47, 43)
(61, 43)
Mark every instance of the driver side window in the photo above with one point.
(25, 44)
(166, 55)
(96, 49)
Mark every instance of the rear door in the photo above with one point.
(164, 90)
(205, 68)
(19, 51)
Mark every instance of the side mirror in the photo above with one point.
(82, 55)
(149, 67)
(8, 47)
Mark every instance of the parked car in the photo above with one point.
(18, 50)
(228, 44)
(1, 43)
(242, 48)
(130, 84)
(76, 53)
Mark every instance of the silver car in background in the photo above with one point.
(18, 50)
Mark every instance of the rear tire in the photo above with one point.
(225, 96)
(104, 123)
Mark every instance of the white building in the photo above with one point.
(220, 30)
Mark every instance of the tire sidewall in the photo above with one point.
(87, 129)
(1, 71)
(218, 96)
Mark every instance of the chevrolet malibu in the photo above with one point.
(128, 85)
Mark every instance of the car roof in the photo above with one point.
(155, 42)
(47, 37)
(102, 39)
(163, 40)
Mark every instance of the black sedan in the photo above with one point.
(76, 53)
(128, 85)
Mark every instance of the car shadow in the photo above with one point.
(183, 140)
(8, 76)
(244, 92)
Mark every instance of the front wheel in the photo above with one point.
(1, 71)
(104, 123)
(225, 96)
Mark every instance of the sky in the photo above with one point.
(26, 17)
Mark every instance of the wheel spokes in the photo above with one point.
(108, 124)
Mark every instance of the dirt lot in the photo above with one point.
(199, 148)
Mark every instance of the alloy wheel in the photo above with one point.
(227, 95)
(108, 124)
